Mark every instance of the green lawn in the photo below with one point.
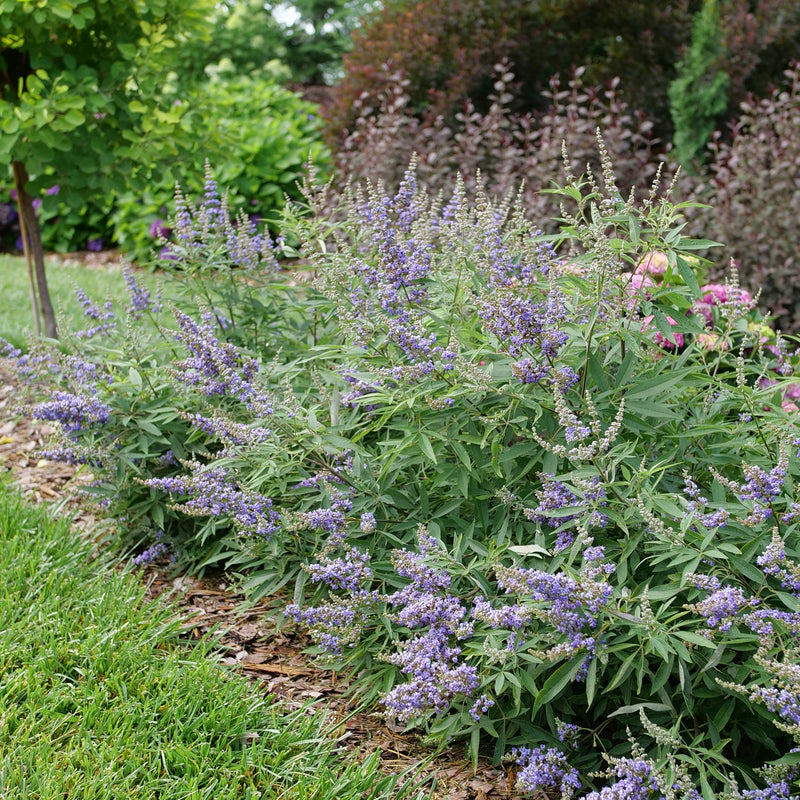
(16, 317)
(100, 699)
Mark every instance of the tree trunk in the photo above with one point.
(34, 253)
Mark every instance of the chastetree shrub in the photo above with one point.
(124, 390)
(535, 492)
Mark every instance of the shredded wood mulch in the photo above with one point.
(248, 639)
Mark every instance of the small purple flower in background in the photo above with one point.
(37, 203)
(567, 733)
(103, 316)
(773, 561)
(480, 707)
(158, 550)
(95, 245)
(159, 229)
(166, 254)
(53, 190)
(777, 790)
(139, 295)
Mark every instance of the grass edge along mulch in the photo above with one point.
(99, 698)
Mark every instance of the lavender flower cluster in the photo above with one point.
(214, 492)
(569, 606)
(207, 232)
(103, 317)
(337, 622)
(218, 368)
(545, 768)
(555, 496)
(774, 561)
(74, 412)
(140, 299)
(430, 659)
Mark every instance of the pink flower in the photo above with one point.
(635, 289)
(661, 340)
(703, 309)
(789, 406)
(717, 293)
(711, 341)
(654, 263)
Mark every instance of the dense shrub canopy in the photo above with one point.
(535, 492)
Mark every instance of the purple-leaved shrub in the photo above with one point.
(753, 188)
(510, 151)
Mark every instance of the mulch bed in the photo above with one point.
(273, 658)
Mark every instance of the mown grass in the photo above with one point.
(100, 699)
(16, 316)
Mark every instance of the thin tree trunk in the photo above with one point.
(34, 253)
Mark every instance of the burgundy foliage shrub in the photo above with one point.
(511, 150)
(754, 191)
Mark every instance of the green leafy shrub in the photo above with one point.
(248, 37)
(65, 227)
(698, 95)
(256, 133)
(543, 486)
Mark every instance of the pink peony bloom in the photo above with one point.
(660, 339)
(711, 341)
(717, 293)
(654, 263)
